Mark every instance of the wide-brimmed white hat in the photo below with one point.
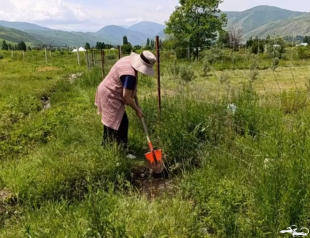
(143, 62)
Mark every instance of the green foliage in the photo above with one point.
(87, 46)
(21, 46)
(4, 45)
(191, 22)
(125, 40)
(187, 74)
(275, 63)
(126, 49)
(174, 69)
(244, 169)
(100, 45)
(292, 101)
(206, 67)
(303, 52)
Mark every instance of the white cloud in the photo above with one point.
(80, 15)
(133, 20)
(33, 10)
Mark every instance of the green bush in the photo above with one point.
(292, 101)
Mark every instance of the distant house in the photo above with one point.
(80, 49)
(302, 44)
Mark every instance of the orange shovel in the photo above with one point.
(154, 157)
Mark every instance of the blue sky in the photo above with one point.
(92, 15)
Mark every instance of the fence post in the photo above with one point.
(158, 74)
(119, 52)
(45, 56)
(93, 63)
(102, 61)
(87, 61)
(78, 55)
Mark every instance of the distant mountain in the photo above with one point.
(23, 26)
(258, 16)
(115, 34)
(16, 36)
(65, 38)
(109, 34)
(257, 21)
(147, 27)
(290, 27)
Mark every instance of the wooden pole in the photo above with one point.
(158, 74)
(45, 56)
(119, 52)
(102, 61)
(78, 55)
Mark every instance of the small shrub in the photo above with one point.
(1, 56)
(253, 75)
(206, 68)
(174, 69)
(224, 78)
(111, 57)
(187, 74)
(275, 63)
(292, 101)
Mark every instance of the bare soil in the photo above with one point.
(152, 185)
(48, 68)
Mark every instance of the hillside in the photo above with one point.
(257, 21)
(136, 34)
(256, 17)
(13, 35)
(147, 27)
(23, 26)
(62, 38)
(291, 27)
(116, 33)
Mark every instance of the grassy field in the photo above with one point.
(233, 172)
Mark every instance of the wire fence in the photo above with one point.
(214, 78)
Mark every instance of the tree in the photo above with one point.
(249, 42)
(21, 46)
(275, 47)
(4, 45)
(235, 36)
(257, 45)
(100, 45)
(306, 39)
(196, 22)
(87, 46)
(125, 40)
(223, 38)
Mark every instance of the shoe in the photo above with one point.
(130, 156)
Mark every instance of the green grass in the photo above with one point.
(236, 174)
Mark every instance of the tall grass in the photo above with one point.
(238, 173)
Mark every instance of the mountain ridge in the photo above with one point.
(257, 21)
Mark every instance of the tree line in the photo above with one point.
(20, 46)
(194, 26)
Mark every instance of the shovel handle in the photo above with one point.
(147, 134)
(145, 127)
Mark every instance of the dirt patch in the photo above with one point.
(44, 69)
(5, 195)
(152, 185)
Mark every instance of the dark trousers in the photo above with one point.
(119, 136)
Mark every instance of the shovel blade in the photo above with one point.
(154, 156)
(155, 161)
